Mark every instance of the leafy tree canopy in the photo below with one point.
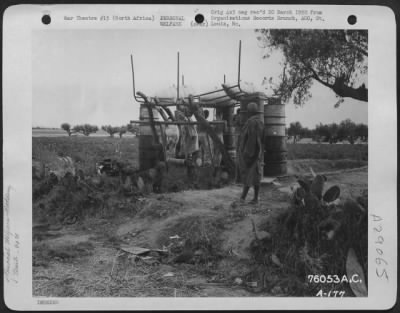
(122, 130)
(67, 128)
(295, 129)
(335, 58)
(85, 129)
(110, 130)
(345, 130)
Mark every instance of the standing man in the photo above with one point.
(251, 153)
(238, 128)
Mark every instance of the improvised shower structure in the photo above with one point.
(152, 141)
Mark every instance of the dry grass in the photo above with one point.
(43, 253)
(107, 273)
(156, 209)
(198, 232)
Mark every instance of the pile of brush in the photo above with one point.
(193, 239)
(70, 198)
(319, 234)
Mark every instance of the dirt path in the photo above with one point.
(83, 260)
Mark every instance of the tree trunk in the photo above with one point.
(343, 90)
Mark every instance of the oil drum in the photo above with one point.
(275, 149)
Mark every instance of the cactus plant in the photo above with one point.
(320, 233)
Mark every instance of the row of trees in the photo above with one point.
(345, 130)
(87, 129)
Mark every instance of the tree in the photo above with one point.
(322, 131)
(305, 132)
(334, 58)
(133, 128)
(329, 132)
(67, 128)
(361, 131)
(110, 130)
(85, 129)
(122, 130)
(347, 130)
(294, 130)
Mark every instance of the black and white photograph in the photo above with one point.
(200, 164)
(199, 157)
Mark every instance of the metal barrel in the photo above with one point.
(259, 98)
(228, 131)
(232, 154)
(275, 149)
(148, 148)
(229, 138)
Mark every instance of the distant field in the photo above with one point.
(328, 151)
(47, 132)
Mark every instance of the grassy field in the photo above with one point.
(86, 151)
(92, 149)
(327, 151)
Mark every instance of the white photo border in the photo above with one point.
(19, 22)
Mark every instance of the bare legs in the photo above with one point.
(256, 191)
(246, 190)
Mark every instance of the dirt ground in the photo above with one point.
(88, 257)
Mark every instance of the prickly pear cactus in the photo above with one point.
(331, 194)
(320, 234)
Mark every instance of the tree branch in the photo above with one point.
(317, 78)
(341, 89)
(301, 81)
(354, 45)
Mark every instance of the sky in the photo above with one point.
(84, 76)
